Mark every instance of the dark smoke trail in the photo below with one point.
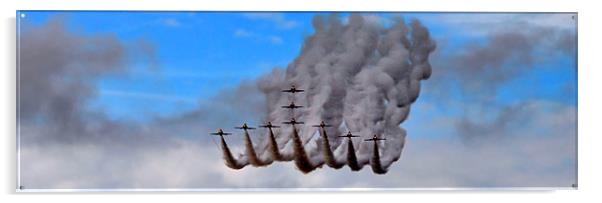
(375, 161)
(328, 156)
(274, 150)
(250, 151)
(301, 159)
(358, 75)
(351, 158)
(230, 160)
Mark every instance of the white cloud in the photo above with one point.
(473, 24)
(275, 40)
(242, 33)
(527, 159)
(170, 22)
(277, 18)
(173, 164)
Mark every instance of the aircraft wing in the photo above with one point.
(293, 91)
(322, 125)
(220, 133)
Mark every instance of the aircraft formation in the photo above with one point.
(300, 156)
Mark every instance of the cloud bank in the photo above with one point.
(67, 146)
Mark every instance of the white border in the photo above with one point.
(294, 189)
(27, 190)
(589, 97)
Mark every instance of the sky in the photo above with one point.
(144, 87)
(199, 55)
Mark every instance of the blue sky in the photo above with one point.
(198, 54)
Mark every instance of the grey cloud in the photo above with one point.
(67, 124)
(476, 72)
(347, 69)
(245, 101)
(504, 54)
(56, 72)
(522, 161)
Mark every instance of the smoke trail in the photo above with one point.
(351, 158)
(375, 161)
(359, 76)
(328, 155)
(301, 159)
(274, 150)
(250, 152)
(228, 158)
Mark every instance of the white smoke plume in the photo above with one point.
(358, 76)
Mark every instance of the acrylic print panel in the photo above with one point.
(288, 100)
